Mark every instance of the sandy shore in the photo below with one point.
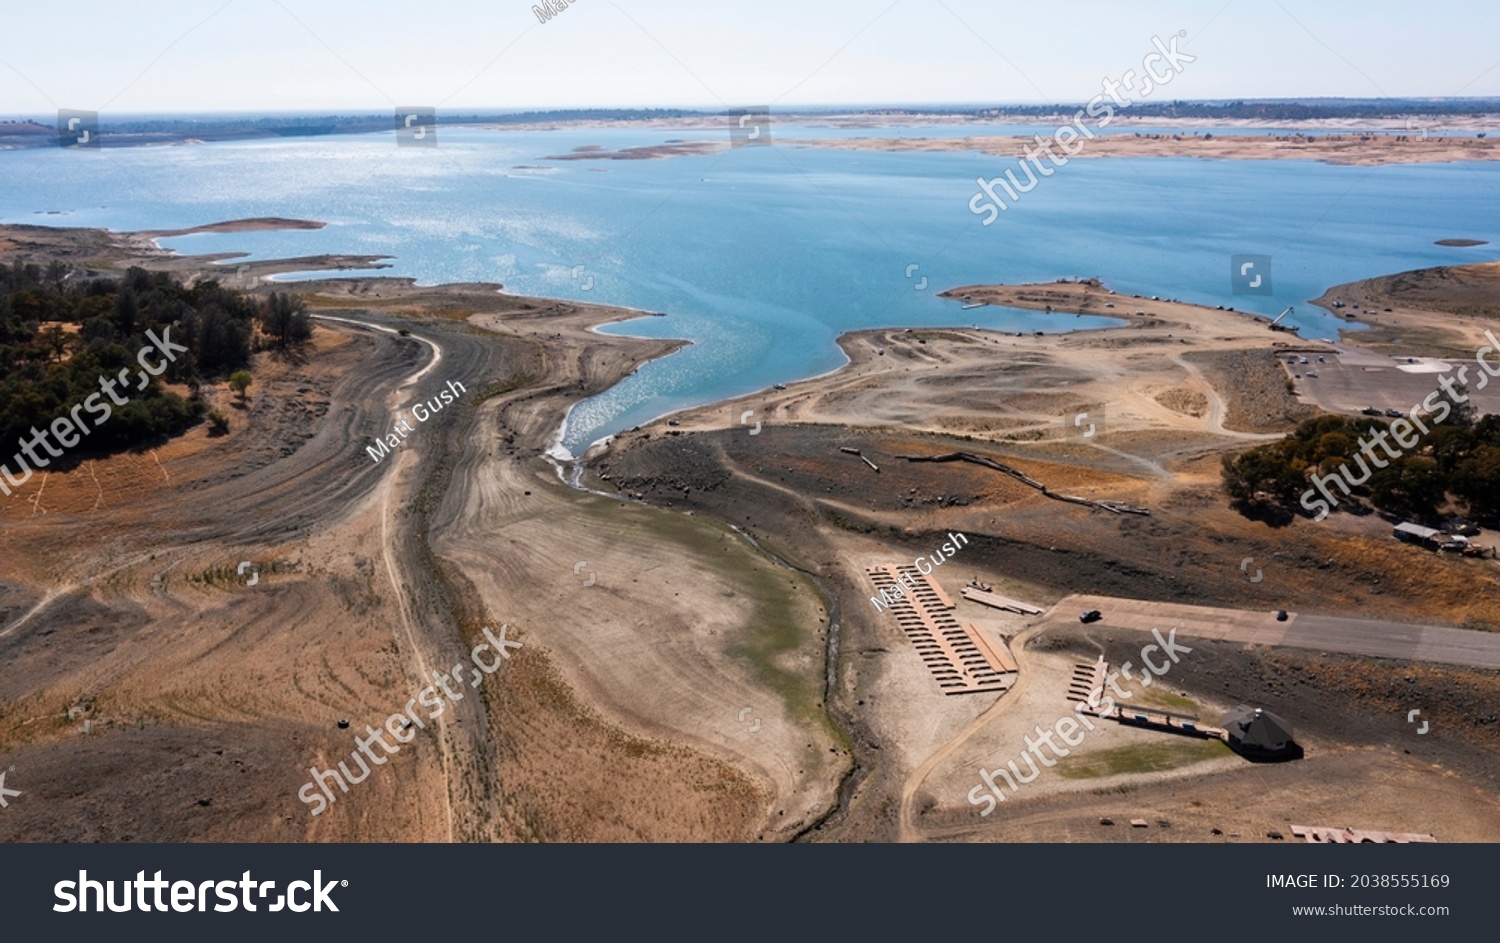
(1435, 312)
(1352, 149)
(254, 224)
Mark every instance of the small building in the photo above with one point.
(1257, 732)
(1417, 534)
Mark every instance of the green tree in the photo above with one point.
(126, 312)
(240, 381)
(285, 319)
(1464, 413)
(1411, 486)
(55, 339)
(1477, 482)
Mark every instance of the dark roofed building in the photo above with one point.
(1256, 731)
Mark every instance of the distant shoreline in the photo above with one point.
(251, 224)
(1424, 121)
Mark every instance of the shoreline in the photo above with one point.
(1403, 139)
(1337, 149)
(665, 505)
(844, 348)
(1084, 296)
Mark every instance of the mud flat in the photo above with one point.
(676, 697)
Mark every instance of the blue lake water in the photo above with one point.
(762, 256)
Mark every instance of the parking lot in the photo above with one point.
(1348, 380)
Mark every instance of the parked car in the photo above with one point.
(1091, 615)
(1280, 615)
(1394, 413)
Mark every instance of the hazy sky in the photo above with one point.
(275, 55)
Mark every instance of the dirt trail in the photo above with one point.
(180, 635)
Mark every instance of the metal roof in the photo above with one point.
(1257, 728)
(1416, 530)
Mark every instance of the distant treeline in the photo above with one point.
(299, 125)
(1456, 462)
(1267, 111)
(60, 335)
(229, 127)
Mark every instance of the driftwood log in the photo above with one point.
(861, 455)
(1114, 507)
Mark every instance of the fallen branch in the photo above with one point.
(845, 448)
(1114, 507)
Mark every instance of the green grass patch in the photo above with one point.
(514, 381)
(784, 604)
(1142, 758)
(1159, 697)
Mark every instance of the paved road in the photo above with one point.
(1428, 643)
(1353, 379)
(1396, 640)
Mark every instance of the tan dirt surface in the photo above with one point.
(677, 616)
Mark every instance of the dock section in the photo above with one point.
(961, 658)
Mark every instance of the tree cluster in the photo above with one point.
(60, 334)
(1455, 464)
